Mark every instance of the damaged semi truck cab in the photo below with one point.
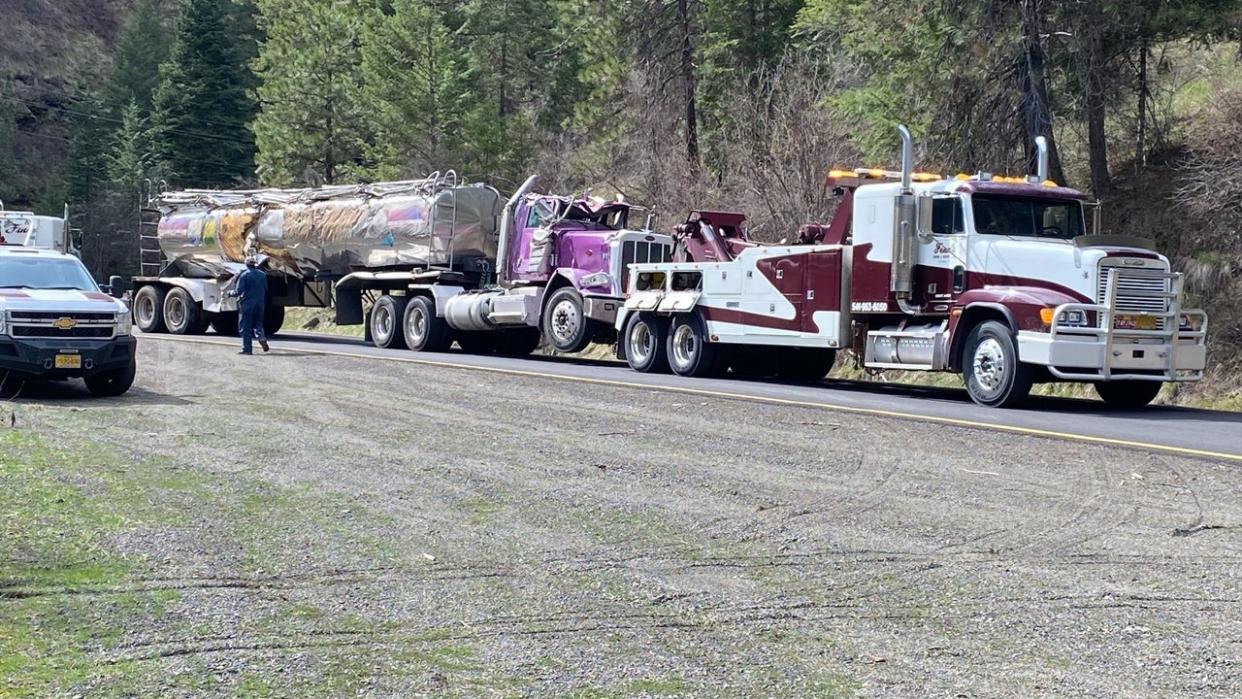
(1002, 279)
(561, 267)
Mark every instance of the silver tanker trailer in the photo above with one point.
(332, 246)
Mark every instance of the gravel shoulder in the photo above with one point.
(289, 525)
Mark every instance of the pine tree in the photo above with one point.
(130, 160)
(413, 91)
(202, 109)
(312, 122)
(140, 50)
(92, 129)
(8, 141)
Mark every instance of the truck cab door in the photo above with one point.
(940, 275)
(531, 244)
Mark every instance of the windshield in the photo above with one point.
(1031, 218)
(44, 273)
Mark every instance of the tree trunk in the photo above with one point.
(687, 77)
(1092, 67)
(1140, 148)
(1036, 113)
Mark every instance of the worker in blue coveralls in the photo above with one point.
(251, 293)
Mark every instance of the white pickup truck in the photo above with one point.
(56, 323)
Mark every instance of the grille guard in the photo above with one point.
(1105, 332)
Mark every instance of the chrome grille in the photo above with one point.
(1139, 291)
(43, 324)
(640, 252)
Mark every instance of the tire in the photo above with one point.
(182, 314)
(565, 324)
(994, 376)
(646, 340)
(1128, 395)
(109, 384)
(226, 323)
(12, 382)
(386, 319)
(485, 342)
(149, 309)
(689, 352)
(273, 320)
(423, 330)
(518, 343)
(804, 364)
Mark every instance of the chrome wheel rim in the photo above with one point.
(989, 367)
(565, 321)
(417, 324)
(685, 345)
(174, 311)
(382, 327)
(642, 343)
(145, 310)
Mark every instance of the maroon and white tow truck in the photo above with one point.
(1003, 279)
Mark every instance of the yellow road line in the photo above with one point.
(877, 412)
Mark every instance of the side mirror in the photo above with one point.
(924, 226)
(116, 286)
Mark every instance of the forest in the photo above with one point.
(737, 104)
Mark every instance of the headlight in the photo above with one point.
(124, 323)
(594, 280)
(1190, 323)
(3, 315)
(1073, 318)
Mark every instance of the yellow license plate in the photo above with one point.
(68, 361)
(1133, 322)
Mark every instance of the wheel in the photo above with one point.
(12, 383)
(386, 318)
(994, 376)
(424, 332)
(689, 352)
(226, 323)
(565, 323)
(112, 383)
(1128, 394)
(518, 343)
(478, 342)
(645, 338)
(805, 364)
(149, 309)
(182, 314)
(273, 319)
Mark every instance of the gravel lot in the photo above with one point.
(330, 526)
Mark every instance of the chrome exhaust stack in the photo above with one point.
(905, 219)
(506, 218)
(907, 160)
(1041, 161)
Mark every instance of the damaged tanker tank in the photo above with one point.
(329, 232)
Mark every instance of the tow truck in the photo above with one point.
(998, 278)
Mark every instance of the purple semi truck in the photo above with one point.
(562, 265)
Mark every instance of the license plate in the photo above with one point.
(1133, 322)
(68, 361)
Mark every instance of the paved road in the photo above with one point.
(1204, 433)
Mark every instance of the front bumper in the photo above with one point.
(1107, 353)
(37, 357)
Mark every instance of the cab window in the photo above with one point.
(947, 216)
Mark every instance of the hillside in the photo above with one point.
(53, 47)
